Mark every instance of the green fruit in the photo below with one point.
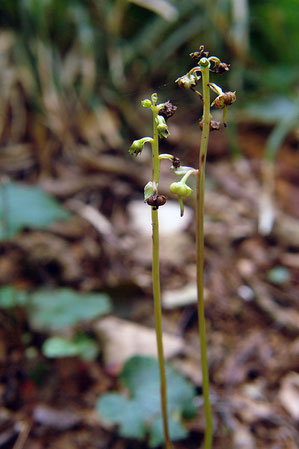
(180, 189)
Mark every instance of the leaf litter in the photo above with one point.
(251, 323)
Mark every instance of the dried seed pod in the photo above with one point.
(176, 163)
(214, 126)
(221, 68)
(167, 110)
(156, 201)
(187, 81)
(219, 102)
(224, 99)
(229, 98)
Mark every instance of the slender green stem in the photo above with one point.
(156, 286)
(200, 188)
(155, 149)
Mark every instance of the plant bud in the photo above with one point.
(137, 145)
(146, 103)
(162, 127)
(197, 55)
(154, 98)
(204, 62)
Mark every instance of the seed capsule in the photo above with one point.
(224, 99)
(182, 191)
(176, 163)
(156, 201)
(221, 68)
(186, 81)
(214, 126)
(167, 110)
(180, 188)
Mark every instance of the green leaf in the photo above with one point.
(140, 414)
(81, 346)
(112, 407)
(61, 308)
(118, 410)
(11, 297)
(24, 206)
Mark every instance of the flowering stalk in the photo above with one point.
(200, 189)
(224, 99)
(151, 195)
(156, 279)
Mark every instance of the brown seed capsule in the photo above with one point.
(186, 81)
(221, 68)
(167, 110)
(224, 99)
(156, 201)
(214, 126)
(176, 163)
(230, 97)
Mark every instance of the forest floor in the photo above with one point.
(251, 291)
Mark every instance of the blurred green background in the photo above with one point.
(74, 70)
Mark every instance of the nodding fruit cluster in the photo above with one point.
(190, 80)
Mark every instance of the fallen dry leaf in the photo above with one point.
(124, 339)
(185, 296)
(289, 394)
(54, 418)
(243, 438)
